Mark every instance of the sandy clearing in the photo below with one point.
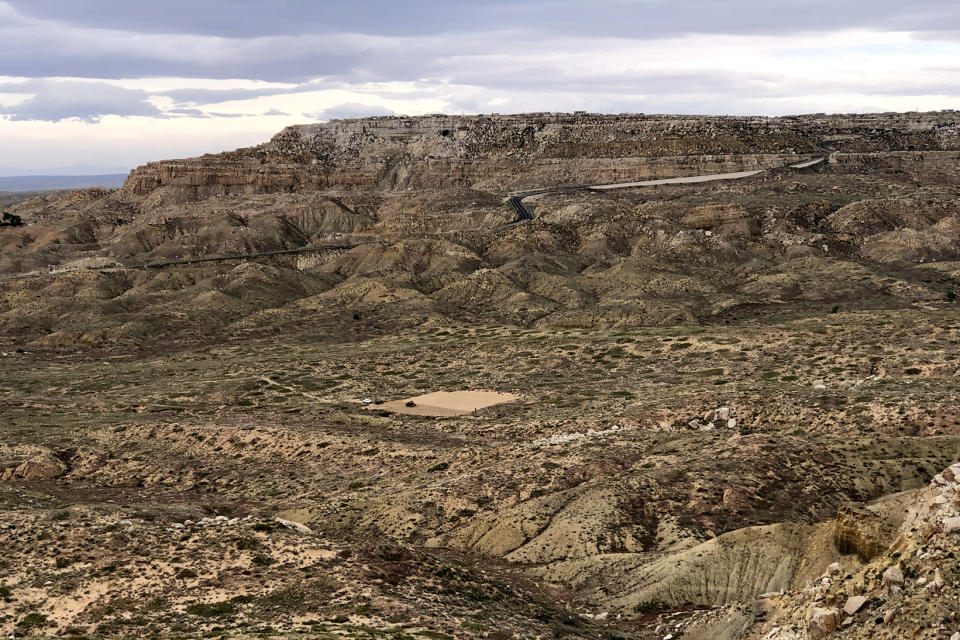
(447, 403)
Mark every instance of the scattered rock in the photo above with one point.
(951, 473)
(951, 525)
(822, 622)
(893, 577)
(854, 604)
(296, 526)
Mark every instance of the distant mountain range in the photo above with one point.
(56, 183)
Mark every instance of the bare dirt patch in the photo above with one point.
(447, 403)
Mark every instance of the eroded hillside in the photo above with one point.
(714, 383)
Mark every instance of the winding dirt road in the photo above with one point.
(524, 216)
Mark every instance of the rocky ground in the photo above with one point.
(733, 399)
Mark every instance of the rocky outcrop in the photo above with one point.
(44, 466)
(859, 531)
(908, 586)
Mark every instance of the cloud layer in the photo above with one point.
(251, 66)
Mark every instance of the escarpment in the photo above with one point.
(530, 151)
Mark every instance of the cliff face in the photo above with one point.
(509, 153)
(482, 152)
(379, 170)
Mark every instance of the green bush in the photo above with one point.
(11, 220)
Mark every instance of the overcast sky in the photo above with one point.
(91, 86)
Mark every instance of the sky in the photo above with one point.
(101, 86)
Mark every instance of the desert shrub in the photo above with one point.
(262, 561)
(302, 597)
(32, 621)
(11, 220)
(650, 606)
(247, 543)
(212, 609)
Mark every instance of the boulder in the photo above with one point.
(296, 526)
(854, 604)
(893, 577)
(822, 622)
(835, 569)
(951, 525)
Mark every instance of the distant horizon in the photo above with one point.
(65, 174)
(29, 183)
(79, 170)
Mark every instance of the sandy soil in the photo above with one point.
(448, 403)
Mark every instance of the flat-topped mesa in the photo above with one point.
(526, 151)
(547, 135)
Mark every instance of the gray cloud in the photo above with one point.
(211, 96)
(55, 100)
(296, 40)
(625, 18)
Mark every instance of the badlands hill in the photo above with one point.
(712, 392)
